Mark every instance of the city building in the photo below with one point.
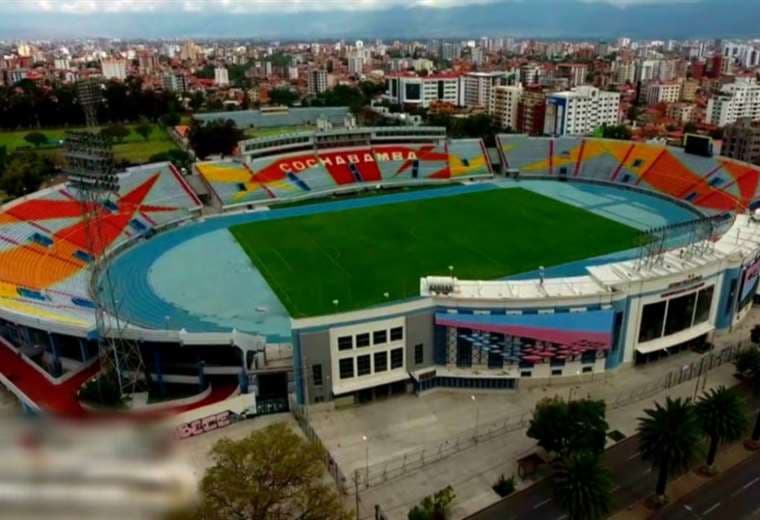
(581, 111)
(740, 99)
(408, 89)
(113, 68)
(147, 62)
(663, 93)
(681, 112)
(221, 76)
(741, 141)
(476, 88)
(689, 88)
(506, 105)
(174, 82)
(356, 65)
(575, 73)
(531, 111)
(531, 74)
(317, 81)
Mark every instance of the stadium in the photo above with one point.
(350, 264)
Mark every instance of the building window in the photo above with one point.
(363, 366)
(586, 370)
(346, 368)
(419, 354)
(379, 337)
(397, 358)
(381, 361)
(525, 373)
(316, 374)
(397, 333)
(362, 340)
(556, 371)
(345, 343)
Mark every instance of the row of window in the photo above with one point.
(378, 337)
(363, 364)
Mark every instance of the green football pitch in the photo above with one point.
(366, 256)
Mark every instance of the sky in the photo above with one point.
(294, 19)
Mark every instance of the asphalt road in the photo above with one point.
(733, 494)
(634, 479)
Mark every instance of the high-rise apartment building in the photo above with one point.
(113, 68)
(740, 99)
(506, 105)
(580, 111)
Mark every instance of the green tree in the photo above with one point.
(272, 473)
(561, 427)
(116, 133)
(144, 129)
(215, 137)
(24, 173)
(171, 119)
(433, 507)
(722, 414)
(582, 486)
(670, 437)
(748, 365)
(36, 138)
(616, 132)
(282, 96)
(179, 158)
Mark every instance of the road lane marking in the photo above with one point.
(711, 508)
(543, 503)
(745, 486)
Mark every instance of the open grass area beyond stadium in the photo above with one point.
(134, 148)
(355, 256)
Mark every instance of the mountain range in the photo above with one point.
(585, 19)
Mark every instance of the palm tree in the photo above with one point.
(583, 486)
(722, 414)
(670, 437)
(748, 364)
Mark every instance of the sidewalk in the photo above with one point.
(472, 472)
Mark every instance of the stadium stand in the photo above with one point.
(714, 184)
(44, 251)
(295, 174)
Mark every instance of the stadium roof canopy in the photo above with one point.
(274, 118)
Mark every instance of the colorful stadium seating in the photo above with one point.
(45, 250)
(295, 174)
(715, 184)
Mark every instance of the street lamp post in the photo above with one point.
(477, 416)
(366, 463)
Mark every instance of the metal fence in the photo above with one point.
(332, 467)
(396, 467)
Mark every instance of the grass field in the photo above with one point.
(357, 255)
(134, 148)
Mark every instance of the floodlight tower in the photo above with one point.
(89, 94)
(92, 178)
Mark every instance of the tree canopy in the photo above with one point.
(583, 486)
(722, 415)
(670, 437)
(272, 474)
(215, 137)
(561, 427)
(23, 172)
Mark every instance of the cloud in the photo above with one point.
(631, 3)
(224, 6)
